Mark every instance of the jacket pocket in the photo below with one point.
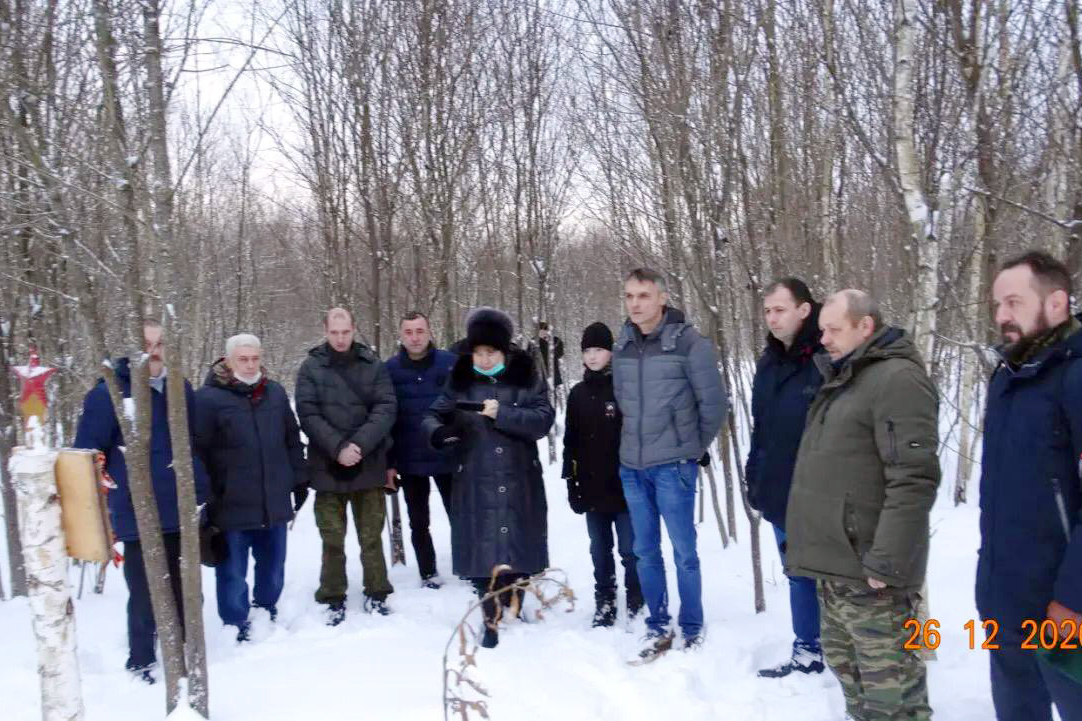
(675, 427)
(892, 442)
(851, 526)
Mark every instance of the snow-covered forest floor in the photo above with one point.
(390, 668)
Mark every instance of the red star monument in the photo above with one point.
(34, 400)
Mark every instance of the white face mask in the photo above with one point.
(250, 381)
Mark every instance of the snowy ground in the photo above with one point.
(390, 668)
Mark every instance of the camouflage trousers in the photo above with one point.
(369, 511)
(863, 638)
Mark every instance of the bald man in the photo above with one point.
(857, 519)
(347, 406)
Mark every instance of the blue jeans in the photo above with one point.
(666, 491)
(599, 525)
(268, 547)
(803, 603)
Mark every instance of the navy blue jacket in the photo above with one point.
(250, 442)
(1032, 442)
(98, 429)
(417, 384)
(786, 381)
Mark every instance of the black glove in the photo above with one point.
(213, 550)
(574, 497)
(446, 436)
(300, 495)
(705, 460)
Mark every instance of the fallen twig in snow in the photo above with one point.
(457, 681)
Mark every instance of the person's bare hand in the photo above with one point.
(491, 408)
(876, 583)
(350, 455)
(392, 474)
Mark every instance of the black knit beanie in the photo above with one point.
(597, 335)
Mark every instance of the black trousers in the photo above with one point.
(481, 585)
(417, 490)
(142, 631)
(1024, 689)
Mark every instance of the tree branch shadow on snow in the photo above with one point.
(549, 588)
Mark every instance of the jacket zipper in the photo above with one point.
(262, 465)
(893, 441)
(642, 403)
(1058, 492)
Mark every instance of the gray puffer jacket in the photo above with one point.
(670, 391)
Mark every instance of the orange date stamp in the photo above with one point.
(1046, 635)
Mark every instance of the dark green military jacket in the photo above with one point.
(867, 469)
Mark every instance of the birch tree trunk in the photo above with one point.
(925, 302)
(51, 608)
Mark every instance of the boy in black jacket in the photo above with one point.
(592, 470)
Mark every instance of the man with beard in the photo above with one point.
(99, 429)
(786, 380)
(1030, 563)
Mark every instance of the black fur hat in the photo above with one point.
(491, 327)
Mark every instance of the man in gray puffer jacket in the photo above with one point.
(667, 384)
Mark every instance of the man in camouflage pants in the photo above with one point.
(857, 519)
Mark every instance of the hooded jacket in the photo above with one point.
(1032, 450)
(98, 429)
(786, 381)
(249, 441)
(867, 469)
(500, 513)
(670, 392)
(417, 385)
(349, 403)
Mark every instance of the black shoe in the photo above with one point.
(605, 615)
(634, 608)
(272, 610)
(804, 660)
(490, 639)
(244, 632)
(376, 605)
(336, 613)
(144, 672)
(432, 582)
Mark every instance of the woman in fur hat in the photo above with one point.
(498, 496)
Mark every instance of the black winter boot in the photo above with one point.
(604, 614)
(336, 613)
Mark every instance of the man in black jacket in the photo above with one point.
(346, 404)
(786, 380)
(540, 346)
(592, 470)
(249, 441)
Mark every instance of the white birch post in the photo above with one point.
(46, 557)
